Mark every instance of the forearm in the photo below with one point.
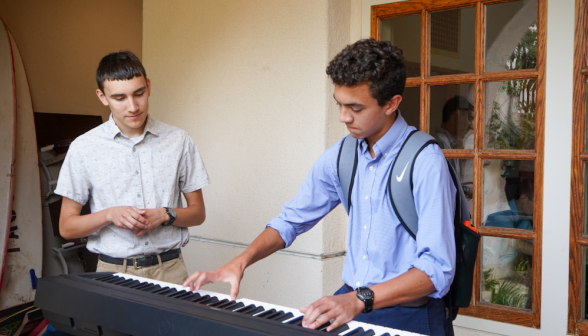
(72, 226)
(268, 242)
(409, 286)
(193, 215)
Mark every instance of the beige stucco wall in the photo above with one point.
(247, 81)
(61, 43)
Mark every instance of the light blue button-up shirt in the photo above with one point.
(378, 247)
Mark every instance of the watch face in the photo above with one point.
(171, 213)
(365, 293)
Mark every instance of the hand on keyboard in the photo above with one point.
(231, 273)
(343, 308)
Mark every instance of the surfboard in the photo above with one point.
(7, 142)
(24, 259)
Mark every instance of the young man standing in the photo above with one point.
(132, 170)
(390, 278)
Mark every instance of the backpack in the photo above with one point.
(400, 192)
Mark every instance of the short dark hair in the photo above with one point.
(453, 104)
(376, 63)
(119, 66)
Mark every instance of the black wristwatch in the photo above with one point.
(367, 296)
(172, 217)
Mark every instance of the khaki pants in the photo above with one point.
(173, 271)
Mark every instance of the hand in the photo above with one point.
(343, 308)
(127, 217)
(154, 219)
(231, 273)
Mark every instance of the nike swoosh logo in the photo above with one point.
(399, 178)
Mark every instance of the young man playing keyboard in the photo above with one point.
(132, 170)
(390, 278)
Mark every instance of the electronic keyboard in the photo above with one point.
(117, 304)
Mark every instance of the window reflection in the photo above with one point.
(507, 275)
(511, 36)
(452, 115)
(509, 114)
(410, 106)
(405, 33)
(508, 194)
(453, 41)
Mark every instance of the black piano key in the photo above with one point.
(266, 313)
(275, 315)
(140, 285)
(218, 303)
(296, 321)
(161, 290)
(284, 317)
(368, 333)
(177, 293)
(114, 279)
(246, 309)
(387, 334)
(104, 278)
(355, 332)
(191, 297)
(129, 283)
(200, 299)
(234, 306)
(225, 304)
(340, 329)
(324, 326)
(255, 311)
(181, 295)
(213, 299)
(152, 288)
(169, 292)
(119, 281)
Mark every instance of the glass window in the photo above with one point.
(451, 116)
(508, 199)
(410, 106)
(405, 33)
(509, 114)
(511, 36)
(507, 275)
(453, 41)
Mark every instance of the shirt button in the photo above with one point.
(371, 167)
(365, 227)
(134, 149)
(367, 197)
(364, 257)
(138, 195)
(146, 243)
(137, 172)
(357, 284)
(385, 154)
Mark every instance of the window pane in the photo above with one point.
(405, 33)
(507, 274)
(511, 36)
(509, 114)
(451, 115)
(410, 106)
(453, 41)
(508, 193)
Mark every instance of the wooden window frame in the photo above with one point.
(578, 240)
(529, 318)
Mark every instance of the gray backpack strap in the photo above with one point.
(346, 167)
(400, 180)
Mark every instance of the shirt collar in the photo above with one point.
(112, 129)
(389, 140)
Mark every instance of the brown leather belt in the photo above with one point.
(410, 304)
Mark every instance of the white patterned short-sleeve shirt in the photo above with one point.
(107, 169)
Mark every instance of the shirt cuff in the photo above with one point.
(434, 271)
(285, 230)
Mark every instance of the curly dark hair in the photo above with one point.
(119, 66)
(377, 63)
